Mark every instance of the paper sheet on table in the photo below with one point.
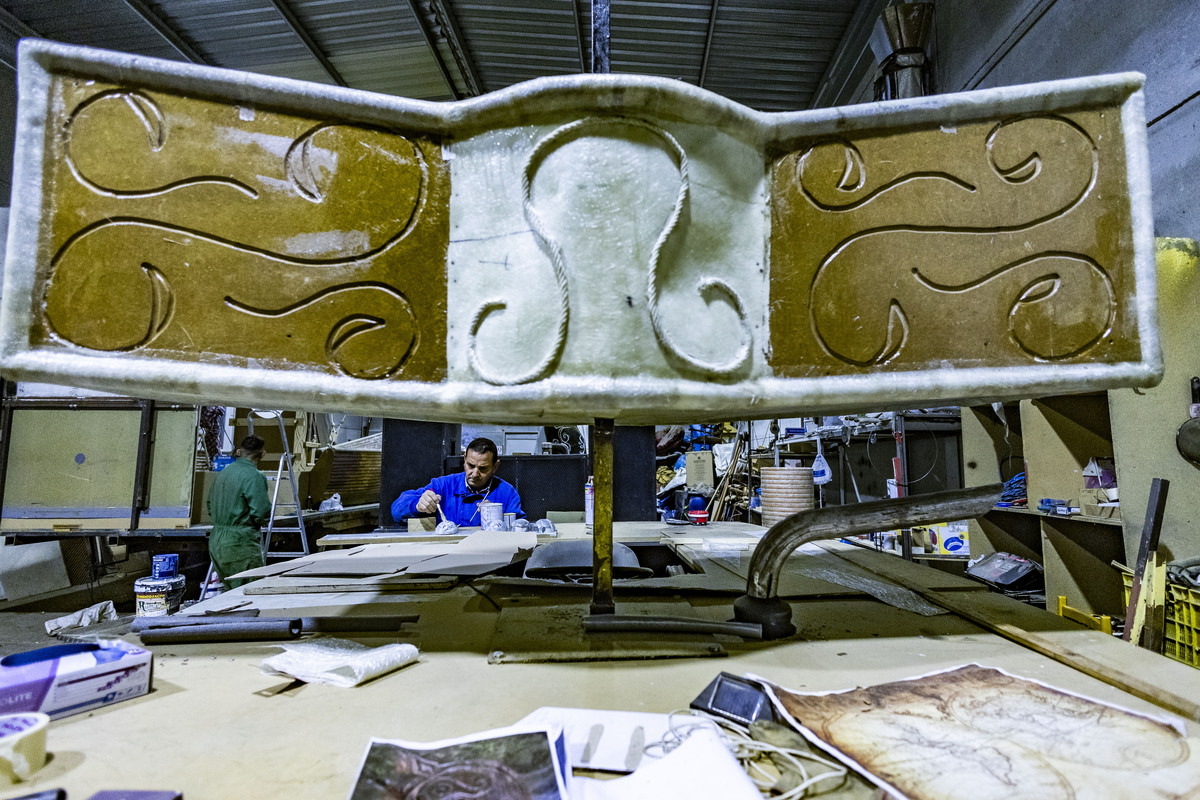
(979, 732)
(612, 741)
(282, 567)
(472, 555)
(103, 611)
(700, 767)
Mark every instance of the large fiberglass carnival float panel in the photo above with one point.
(571, 248)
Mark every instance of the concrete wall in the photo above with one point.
(986, 43)
(1145, 421)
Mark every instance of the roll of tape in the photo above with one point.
(22, 745)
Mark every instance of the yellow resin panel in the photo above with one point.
(999, 243)
(201, 230)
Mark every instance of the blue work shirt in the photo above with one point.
(460, 503)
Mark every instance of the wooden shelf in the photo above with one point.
(1051, 439)
(939, 557)
(1071, 518)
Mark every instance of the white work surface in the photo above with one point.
(623, 531)
(215, 728)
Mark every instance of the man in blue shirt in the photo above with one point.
(461, 493)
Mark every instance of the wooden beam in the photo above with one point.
(833, 87)
(13, 23)
(584, 57)
(712, 24)
(458, 45)
(1135, 615)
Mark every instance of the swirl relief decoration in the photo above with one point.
(206, 231)
(989, 244)
(630, 163)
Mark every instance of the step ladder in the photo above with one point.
(285, 470)
(200, 460)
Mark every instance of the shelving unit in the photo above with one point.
(929, 446)
(1052, 440)
(862, 447)
(1054, 437)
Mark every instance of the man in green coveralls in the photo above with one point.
(239, 507)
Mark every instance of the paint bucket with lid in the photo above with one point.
(491, 516)
(158, 597)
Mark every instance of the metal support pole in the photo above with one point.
(749, 475)
(900, 470)
(141, 475)
(842, 473)
(600, 32)
(602, 518)
(7, 390)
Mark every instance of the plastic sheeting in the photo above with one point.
(100, 612)
(338, 662)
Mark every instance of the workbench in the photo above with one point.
(215, 727)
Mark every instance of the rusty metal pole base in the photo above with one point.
(774, 614)
(602, 518)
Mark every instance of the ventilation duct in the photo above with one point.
(899, 41)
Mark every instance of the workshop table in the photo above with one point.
(215, 727)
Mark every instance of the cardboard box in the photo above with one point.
(953, 539)
(69, 678)
(944, 539)
(699, 465)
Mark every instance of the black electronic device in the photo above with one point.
(735, 699)
(1005, 571)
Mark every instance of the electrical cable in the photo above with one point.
(749, 751)
(471, 585)
(907, 484)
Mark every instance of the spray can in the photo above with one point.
(589, 502)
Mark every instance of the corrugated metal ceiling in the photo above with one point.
(768, 54)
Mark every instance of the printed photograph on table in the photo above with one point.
(529, 765)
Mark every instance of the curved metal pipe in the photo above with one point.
(833, 522)
(761, 605)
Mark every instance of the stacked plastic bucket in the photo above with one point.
(784, 491)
